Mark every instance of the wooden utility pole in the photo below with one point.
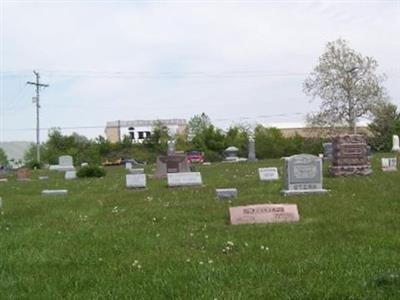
(36, 100)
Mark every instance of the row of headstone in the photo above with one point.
(183, 179)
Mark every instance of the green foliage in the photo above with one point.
(158, 140)
(385, 124)
(197, 124)
(238, 136)
(91, 171)
(270, 142)
(211, 141)
(3, 158)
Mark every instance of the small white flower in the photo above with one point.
(139, 266)
(100, 259)
(210, 261)
(200, 262)
(191, 234)
(262, 247)
(157, 235)
(188, 260)
(246, 245)
(206, 236)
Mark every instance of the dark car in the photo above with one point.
(195, 157)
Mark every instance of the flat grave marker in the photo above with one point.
(54, 192)
(184, 179)
(389, 164)
(264, 213)
(226, 193)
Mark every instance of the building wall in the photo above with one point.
(319, 132)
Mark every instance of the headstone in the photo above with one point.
(264, 213)
(136, 171)
(252, 150)
(135, 180)
(389, 164)
(184, 179)
(43, 177)
(171, 148)
(3, 179)
(226, 193)
(268, 174)
(327, 151)
(54, 192)
(303, 175)
(396, 144)
(128, 165)
(349, 156)
(84, 164)
(171, 164)
(23, 174)
(231, 154)
(65, 161)
(69, 175)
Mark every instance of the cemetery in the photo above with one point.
(219, 223)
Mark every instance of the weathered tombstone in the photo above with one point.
(23, 174)
(231, 154)
(396, 143)
(3, 179)
(252, 150)
(128, 165)
(264, 213)
(136, 181)
(43, 177)
(171, 148)
(303, 175)
(389, 164)
(65, 161)
(171, 164)
(226, 193)
(136, 171)
(54, 192)
(69, 175)
(268, 174)
(349, 156)
(327, 151)
(184, 179)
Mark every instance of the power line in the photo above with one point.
(38, 85)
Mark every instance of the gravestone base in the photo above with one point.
(303, 192)
(363, 170)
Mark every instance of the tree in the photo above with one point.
(3, 158)
(385, 124)
(197, 124)
(347, 84)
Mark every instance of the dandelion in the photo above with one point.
(201, 263)
(139, 267)
(230, 243)
(164, 218)
(154, 219)
(191, 234)
(262, 247)
(206, 236)
(188, 260)
(100, 259)
(245, 244)
(135, 263)
(157, 235)
(210, 261)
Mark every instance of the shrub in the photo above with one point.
(90, 171)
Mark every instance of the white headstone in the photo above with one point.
(128, 165)
(43, 177)
(226, 193)
(267, 174)
(396, 145)
(389, 164)
(65, 160)
(135, 180)
(54, 192)
(184, 179)
(136, 171)
(70, 175)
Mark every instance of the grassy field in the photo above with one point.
(103, 241)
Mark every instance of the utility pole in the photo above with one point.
(38, 86)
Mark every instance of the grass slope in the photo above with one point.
(103, 241)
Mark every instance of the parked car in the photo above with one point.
(195, 157)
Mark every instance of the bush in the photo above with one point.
(89, 171)
(34, 165)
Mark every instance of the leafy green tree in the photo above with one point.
(198, 124)
(158, 139)
(3, 158)
(270, 142)
(385, 123)
(348, 85)
(238, 136)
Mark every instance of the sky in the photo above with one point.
(237, 61)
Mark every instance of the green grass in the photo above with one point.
(84, 245)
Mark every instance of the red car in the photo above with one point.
(195, 157)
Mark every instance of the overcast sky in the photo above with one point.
(237, 61)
